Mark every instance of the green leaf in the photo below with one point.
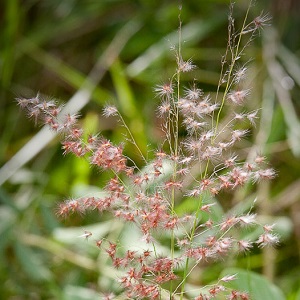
(79, 293)
(73, 235)
(256, 285)
(298, 295)
(31, 263)
(7, 219)
(7, 201)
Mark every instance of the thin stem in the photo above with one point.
(223, 62)
(176, 142)
(234, 59)
(192, 235)
(131, 137)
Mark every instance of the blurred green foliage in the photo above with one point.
(51, 47)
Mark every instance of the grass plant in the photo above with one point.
(199, 165)
(175, 208)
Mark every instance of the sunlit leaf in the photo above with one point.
(258, 286)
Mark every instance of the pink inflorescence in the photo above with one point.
(197, 167)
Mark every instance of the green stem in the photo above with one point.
(234, 59)
(132, 138)
(192, 237)
(176, 145)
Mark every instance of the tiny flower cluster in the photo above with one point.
(203, 166)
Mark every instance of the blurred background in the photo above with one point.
(88, 53)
